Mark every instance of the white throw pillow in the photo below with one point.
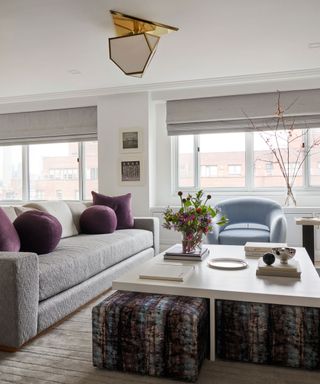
(61, 211)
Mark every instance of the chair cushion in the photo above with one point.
(39, 232)
(246, 226)
(79, 257)
(241, 236)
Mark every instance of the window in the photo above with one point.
(90, 166)
(186, 161)
(314, 161)
(234, 169)
(59, 160)
(51, 171)
(243, 160)
(11, 173)
(208, 171)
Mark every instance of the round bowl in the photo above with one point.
(284, 254)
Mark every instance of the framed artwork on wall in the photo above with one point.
(131, 170)
(130, 140)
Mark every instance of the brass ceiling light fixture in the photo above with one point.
(136, 42)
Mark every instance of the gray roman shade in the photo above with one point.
(230, 113)
(72, 124)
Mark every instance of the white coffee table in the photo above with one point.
(241, 285)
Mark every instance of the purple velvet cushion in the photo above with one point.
(39, 231)
(9, 238)
(98, 219)
(120, 204)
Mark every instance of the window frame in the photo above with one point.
(249, 170)
(25, 154)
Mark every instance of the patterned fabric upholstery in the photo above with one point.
(151, 334)
(268, 333)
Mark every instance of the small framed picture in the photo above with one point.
(131, 171)
(130, 140)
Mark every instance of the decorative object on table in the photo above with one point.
(268, 258)
(194, 220)
(256, 250)
(167, 271)
(289, 146)
(252, 219)
(175, 253)
(131, 170)
(130, 140)
(227, 263)
(291, 269)
(284, 254)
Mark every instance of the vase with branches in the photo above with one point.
(288, 145)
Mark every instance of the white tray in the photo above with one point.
(227, 263)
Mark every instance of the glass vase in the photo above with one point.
(191, 242)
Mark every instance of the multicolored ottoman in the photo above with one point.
(150, 334)
(268, 333)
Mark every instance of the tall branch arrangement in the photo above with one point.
(288, 145)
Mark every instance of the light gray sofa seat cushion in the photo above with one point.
(80, 257)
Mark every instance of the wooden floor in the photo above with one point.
(63, 355)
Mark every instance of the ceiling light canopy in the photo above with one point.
(136, 42)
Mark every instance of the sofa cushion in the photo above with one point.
(80, 257)
(76, 208)
(9, 239)
(120, 204)
(39, 232)
(98, 219)
(61, 211)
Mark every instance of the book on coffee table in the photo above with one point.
(175, 253)
(167, 271)
(256, 250)
(292, 269)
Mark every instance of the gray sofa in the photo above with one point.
(36, 291)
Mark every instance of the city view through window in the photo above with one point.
(227, 161)
(54, 171)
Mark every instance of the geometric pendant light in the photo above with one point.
(136, 43)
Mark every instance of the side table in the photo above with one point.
(308, 224)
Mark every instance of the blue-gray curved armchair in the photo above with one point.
(250, 219)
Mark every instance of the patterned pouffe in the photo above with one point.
(151, 334)
(268, 333)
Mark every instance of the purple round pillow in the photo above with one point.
(39, 232)
(98, 219)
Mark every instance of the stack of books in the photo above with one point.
(167, 271)
(175, 253)
(257, 250)
(292, 269)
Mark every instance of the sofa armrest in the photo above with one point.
(19, 297)
(150, 224)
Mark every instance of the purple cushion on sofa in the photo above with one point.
(9, 238)
(120, 204)
(39, 231)
(98, 219)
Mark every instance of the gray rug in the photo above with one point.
(318, 270)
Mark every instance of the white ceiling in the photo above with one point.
(41, 41)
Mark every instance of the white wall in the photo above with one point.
(125, 111)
